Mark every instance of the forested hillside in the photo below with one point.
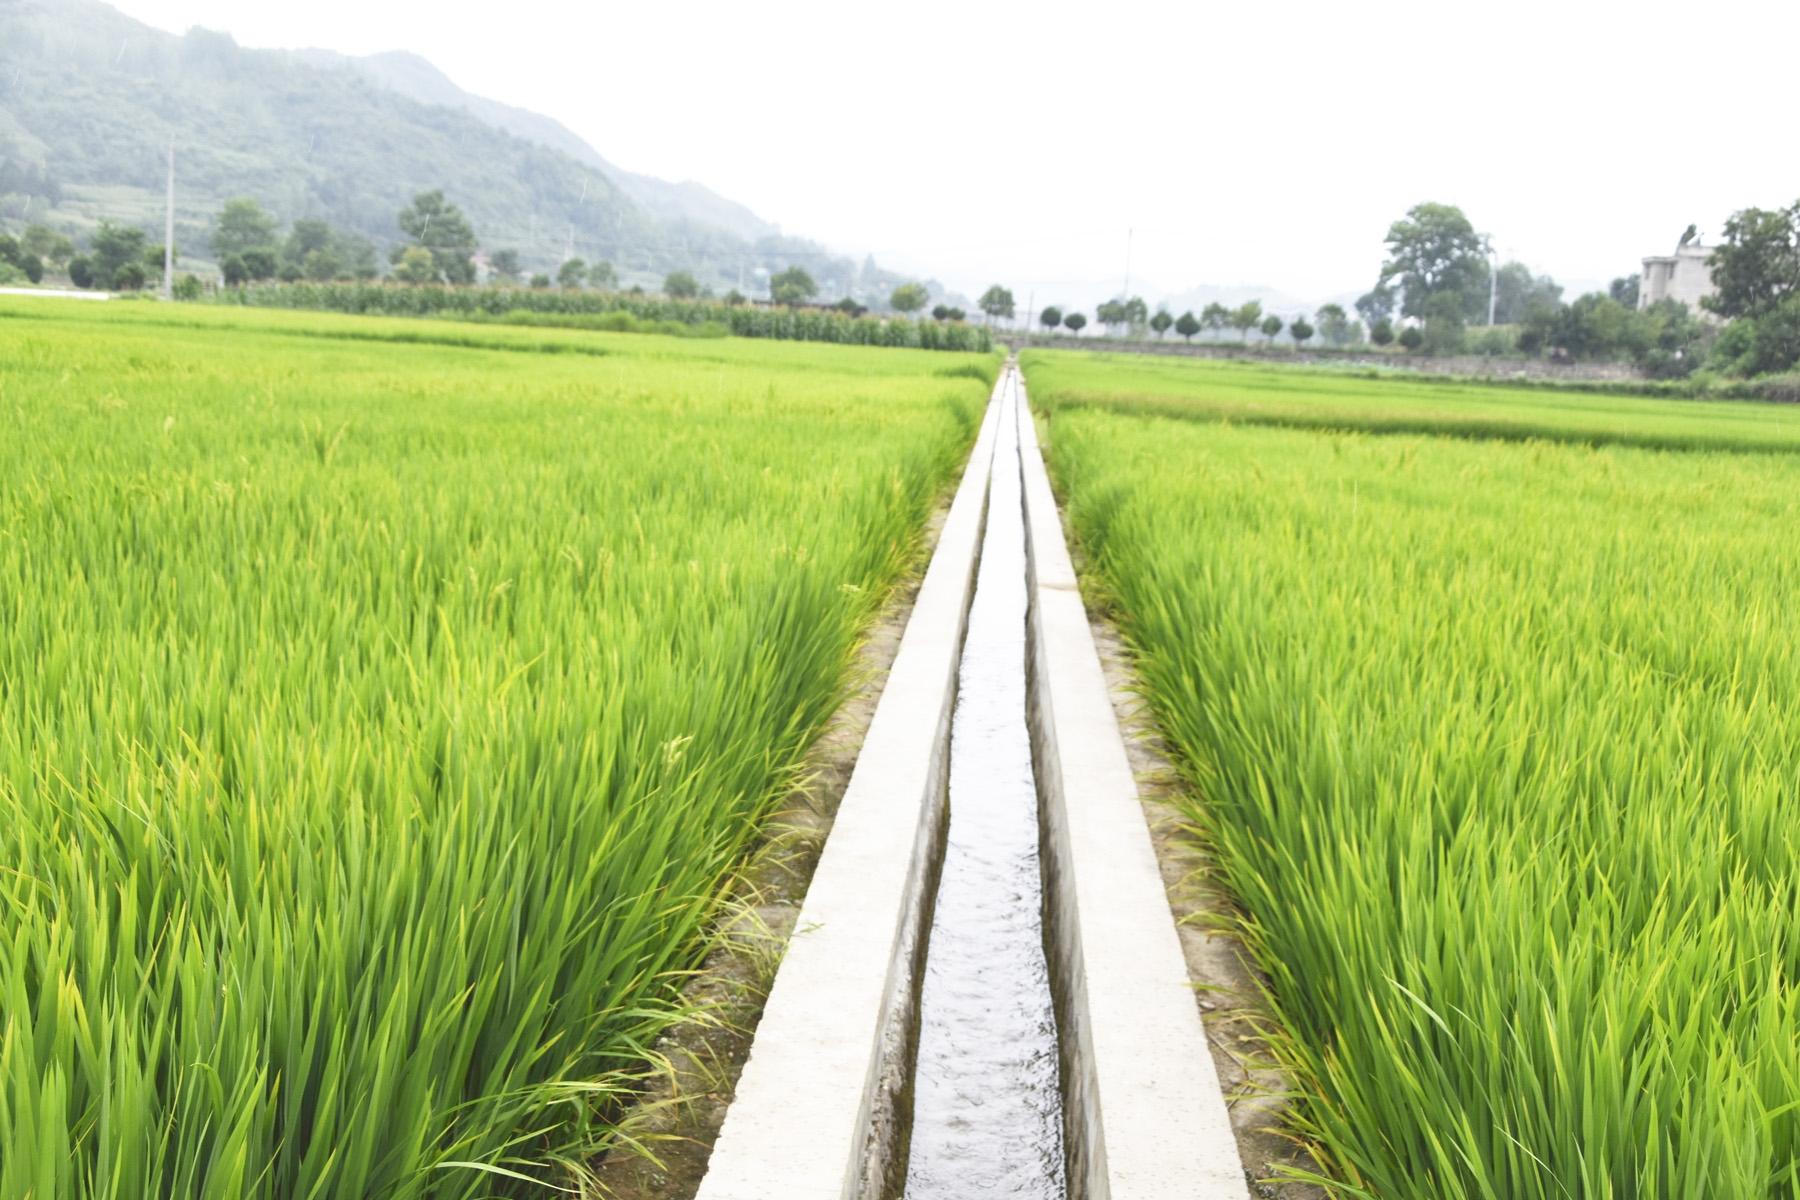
(90, 99)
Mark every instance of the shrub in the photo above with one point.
(1494, 341)
(1761, 345)
(129, 278)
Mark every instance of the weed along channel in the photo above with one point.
(985, 994)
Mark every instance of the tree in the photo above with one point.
(235, 273)
(321, 265)
(941, 312)
(1111, 314)
(851, 307)
(1299, 330)
(81, 271)
(242, 225)
(540, 281)
(573, 273)
(1411, 339)
(47, 244)
(1215, 317)
(112, 248)
(1382, 331)
(308, 234)
(680, 285)
(909, 298)
(1050, 318)
(14, 255)
(439, 227)
(505, 265)
(1334, 325)
(1757, 264)
(259, 263)
(602, 276)
(1161, 321)
(1376, 305)
(130, 277)
(1271, 328)
(1432, 251)
(957, 314)
(1444, 326)
(1187, 325)
(1246, 317)
(735, 298)
(1074, 322)
(1626, 289)
(188, 287)
(997, 302)
(1761, 345)
(1518, 292)
(416, 265)
(792, 286)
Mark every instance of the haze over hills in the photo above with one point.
(90, 98)
(412, 76)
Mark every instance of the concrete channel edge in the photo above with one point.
(819, 1110)
(822, 1104)
(1144, 1115)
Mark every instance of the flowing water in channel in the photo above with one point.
(987, 1111)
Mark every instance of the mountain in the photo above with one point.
(90, 99)
(412, 76)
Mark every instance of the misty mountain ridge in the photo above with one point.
(415, 77)
(90, 99)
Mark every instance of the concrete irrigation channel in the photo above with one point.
(985, 994)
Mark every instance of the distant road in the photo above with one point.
(55, 293)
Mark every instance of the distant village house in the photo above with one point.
(1685, 275)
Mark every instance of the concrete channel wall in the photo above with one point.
(1144, 1117)
(823, 1102)
(820, 1106)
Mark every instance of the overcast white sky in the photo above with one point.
(1261, 144)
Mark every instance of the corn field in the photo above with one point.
(380, 721)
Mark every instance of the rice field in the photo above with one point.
(1493, 742)
(384, 706)
(1300, 398)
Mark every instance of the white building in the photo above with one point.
(1685, 275)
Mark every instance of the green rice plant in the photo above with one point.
(1259, 394)
(380, 723)
(1493, 744)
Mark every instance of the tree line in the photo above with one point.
(440, 246)
(1440, 290)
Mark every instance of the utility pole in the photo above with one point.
(1493, 283)
(168, 287)
(1126, 294)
